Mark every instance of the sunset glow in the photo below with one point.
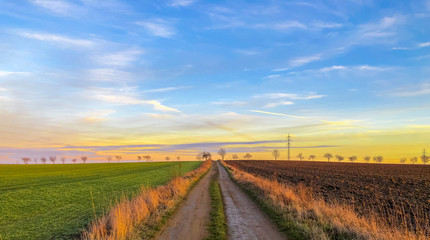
(177, 77)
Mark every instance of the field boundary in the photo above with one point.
(142, 216)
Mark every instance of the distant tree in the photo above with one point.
(414, 160)
(35, 160)
(178, 158)
(199, 157)
(63, 160)
(147, 157)
(167, 158)
(109, 159)
(206, 155)
(276, 154)
(378, 159)
(300, 156)
(74, 160)
(222, 152)
(339, 158)
(366, 158)
(234, 157)
(43, 160)
(247, 156)
(424, 158)
(402, 160)
(139, 158)
(328, 156)
(26, 160)
(52, 159)
(118, 158)
(312, 157)
(353, 158)
(84, 159)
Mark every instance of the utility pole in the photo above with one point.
(288, 145)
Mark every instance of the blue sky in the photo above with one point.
(125, 73)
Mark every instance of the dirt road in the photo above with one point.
(190, 221)
(244, 218)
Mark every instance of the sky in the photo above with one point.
(176, 77)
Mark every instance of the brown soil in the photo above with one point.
(395, 192)
(244, 218)
(191, 220)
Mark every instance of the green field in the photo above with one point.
(54, 201)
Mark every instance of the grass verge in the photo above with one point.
(217, 226)
(130, 219)
(299, 216)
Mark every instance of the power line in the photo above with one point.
(289, 145)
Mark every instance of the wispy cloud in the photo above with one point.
(275, 104)
(421, 89)
(230, 103)
(119, 59)
(126, 98)
(109, 75)
(424, 44)
(181, 3)
(167, 89)
(58, 39)
(9, 73)
(299, 61)
(158, 27)
(57, 6)
(292, 96)
(344, 123)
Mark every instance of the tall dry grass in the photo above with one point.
(127, 217)
(317, 218)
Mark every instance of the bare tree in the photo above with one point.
(300, 156)
(276, 154)
(247, 156)
(234, 157)
(139, 158)
(84, 159)
(35, 160)
(74, 160)
(63, 160)
(148, 158)
(206, 155)
(26, 160)
(366, 158)
(167, 158)
(52, 159)
(353, 158)
(378, 159)
(414, 160)
(402, 160)
(43, 160)
(199, 157)
(109, 159)
(339, 158)
(222, 152)
(118, 158)
(424, 158)
(312, 157)
(178, 158)
(328, 156)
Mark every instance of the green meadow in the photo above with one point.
(58, 201)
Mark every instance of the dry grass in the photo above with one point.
(125, 219)
(318, 219)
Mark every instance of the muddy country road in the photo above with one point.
(244, 218)
(191, 220)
